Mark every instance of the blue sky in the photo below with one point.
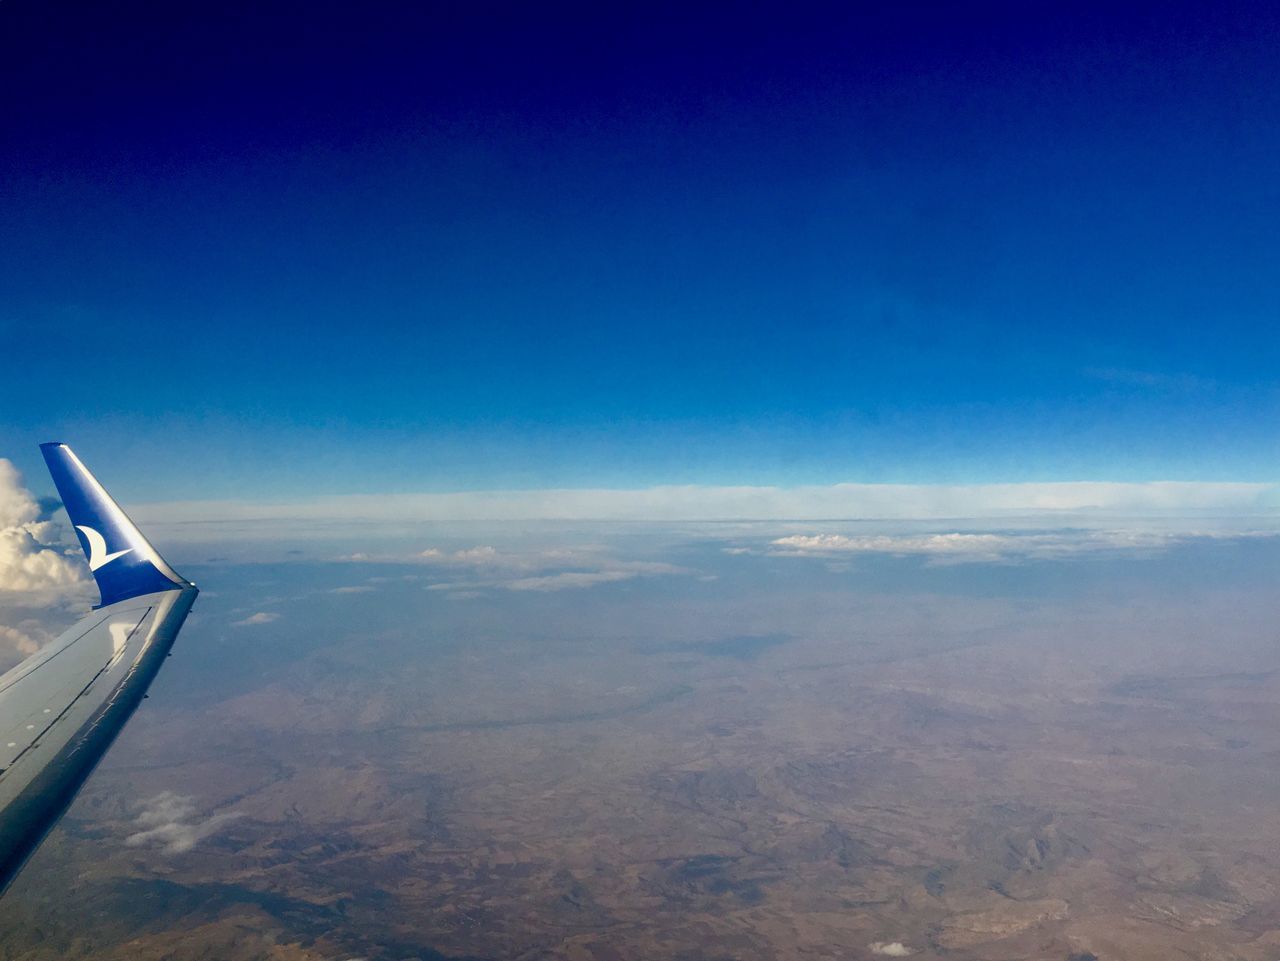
(291, 249)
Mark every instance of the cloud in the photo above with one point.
(41, 569)
(957, 547)
(569, 579)
(542, 570)
(483, 557)
(204, 520)
(37, 559)
(262, 617)
(171, 823)
(565, 580)
(487, 558)
(27, 638)
(360, 589)
(890, 949)
(17, 505)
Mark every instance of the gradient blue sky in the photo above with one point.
(278, 249)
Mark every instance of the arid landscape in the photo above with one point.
(761, 757)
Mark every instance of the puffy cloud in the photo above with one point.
(41, 569)
(890, 949)
(171, 823)
(262, 617)
(27, 638)
(17, 506)
(36, 560)
(32, 567)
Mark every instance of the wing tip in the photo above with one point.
(120, 557)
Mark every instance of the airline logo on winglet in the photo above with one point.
(98, 556)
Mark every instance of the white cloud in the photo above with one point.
(567, 580)
(41, 569)
(17, 506)
(957, 548)
(968, 546)
(202, 520)
(360, 589)
(27, 638)
(555, 569)
(262, 617)
(171, 823)
(890, 949)
(487, 558)
(36, 560)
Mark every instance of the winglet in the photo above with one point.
(122, 561)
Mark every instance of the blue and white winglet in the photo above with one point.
(63, 706)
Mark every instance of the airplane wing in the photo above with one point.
(62, 707)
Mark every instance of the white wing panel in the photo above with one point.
(46, 701)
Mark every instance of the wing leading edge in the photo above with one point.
(62, 707)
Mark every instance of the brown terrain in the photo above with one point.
(846, 777)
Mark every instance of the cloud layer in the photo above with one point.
(554, 569)
(692, 503)
(958, 548)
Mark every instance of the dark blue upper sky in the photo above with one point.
(279, 248)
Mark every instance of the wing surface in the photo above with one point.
(62, 707)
